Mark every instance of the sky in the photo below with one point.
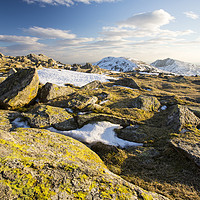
(79, 31)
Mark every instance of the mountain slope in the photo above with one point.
(124, 64)
(178, 67)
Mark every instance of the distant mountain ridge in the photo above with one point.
(123, 64)
(177, 67)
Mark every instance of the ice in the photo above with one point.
(61, 77)
(98, 132)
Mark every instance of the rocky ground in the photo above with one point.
(160, 111)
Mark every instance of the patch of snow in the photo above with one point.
(18, 122)
(61, 77)
(104, 102)
(98, 132)
(148, 73)
(69, 110)
(177, 67)
(148, 89)
(163, 108)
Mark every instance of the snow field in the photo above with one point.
(61, 77)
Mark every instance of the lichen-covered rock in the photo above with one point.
(79, 102)
(19, 89)
(180, 116)
(189, 148)
(92, 117)
(127, 82)
(51, 91)
(39, 164)
(130, 133)
(93, 85)
(6, 117)
(147, 103)
(44, 116)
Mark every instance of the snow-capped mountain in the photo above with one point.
(124, 64)
(178, 67)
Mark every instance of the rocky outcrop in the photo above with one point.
(51, 91)
(45, 116)
(19, 89)
(147, 103)
(69, 169)
(127, 82)
(180, 116)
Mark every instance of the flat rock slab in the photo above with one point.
(19, 89)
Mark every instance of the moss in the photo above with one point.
(145, 196)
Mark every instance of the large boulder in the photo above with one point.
(19, 89)
(39, 164)
(51, 91)
(127, 82)
(147, 103)
(79, 102)
(179, 116)
(44, 116)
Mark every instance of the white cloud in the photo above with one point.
(50, 33)
(149, 20)
(66, 2)
(191, 15)
(18, 39)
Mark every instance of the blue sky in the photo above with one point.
(78, 31)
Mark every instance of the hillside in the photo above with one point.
(178, 67)
(67, 134)
(122, 64)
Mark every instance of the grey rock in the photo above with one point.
(19, 89)
(179, 116)
(147, 103)
(44, 116)
(51, 91)
(131, 133)
(79, 102)
(127, 82)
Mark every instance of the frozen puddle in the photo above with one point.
(61, 77)
(98, 132)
